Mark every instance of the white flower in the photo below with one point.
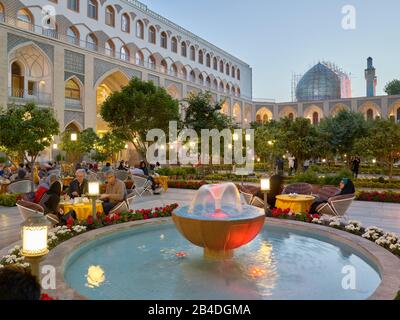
(316, 221)
(1, 266)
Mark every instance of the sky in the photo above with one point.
(282, 37)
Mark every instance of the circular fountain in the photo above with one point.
(218, 222)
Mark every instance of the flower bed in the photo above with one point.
(375, 196)
(64, 233)
(184, 184)
(387, 240)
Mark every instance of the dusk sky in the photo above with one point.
(277, 38)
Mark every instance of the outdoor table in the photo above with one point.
(162, 181)
(83, 210)
(297, 203)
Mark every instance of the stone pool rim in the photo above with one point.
(386, 264)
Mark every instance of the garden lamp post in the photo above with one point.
(34, 232)
(94, 192)
(265, 187)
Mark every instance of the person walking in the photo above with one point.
(355, 166)
(291, 160)
(306, 165)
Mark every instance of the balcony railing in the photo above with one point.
(51, 33)
(16, 95)
(73, 104)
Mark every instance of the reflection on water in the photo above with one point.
(95, 277)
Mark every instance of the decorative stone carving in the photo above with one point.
(14, 40)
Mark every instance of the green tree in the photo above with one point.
(381, 142)
(338, 134)
(139, 107)
(27, 130)
(202, 113)
(392, 87)
(299, 137)
(84, 144)
(108, 146)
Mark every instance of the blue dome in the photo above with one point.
(319, 83)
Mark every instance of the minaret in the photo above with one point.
(370, 77)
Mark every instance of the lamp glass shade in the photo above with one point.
(34, 236)
(74, 137)
(94, 188)
(248, 137)
(55, 146)
(265, 184)
(235, 137)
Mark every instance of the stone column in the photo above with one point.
(326, 109)
(4, 68)
(300, 110)
(59, 85)
(385, 108)
(90, 94)
(276, 112)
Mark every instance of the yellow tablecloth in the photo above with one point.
(162, 181)
(298, 204)
(83, 210)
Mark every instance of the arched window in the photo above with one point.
(110, 48)
(208, 82)
(73, 5)
(208, 60)
(221, 66)
(17, 80)
(215, 63)
(91, 42)
(215, 84)
(291, 116)
(258, 119)
(164, 40)
(139, 58)
(201, 57)
(174, 45)
(228, 88)
(192, 53)
(233, 72)
(92, 9)
(25, 19)
(201, 79)
(370, 114)
(124, 53)
(110, 16)
(152, 62)
(2, 14)
(164, 66)
(233, 90)
(72, 90)
(238, 74)
(174, 70)
(238, 91)
(73, 35)
(227, 69)
(192, 76)
(184, 73)
(265, 118)
(140, 29)
(398, 115)
(221, 86)
(152, 35)
(125, 23)
(315, 118)
(183, 49)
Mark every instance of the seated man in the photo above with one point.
(16, 283)
(79, 186)
(115, 192)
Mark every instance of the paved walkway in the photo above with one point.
(383, 215)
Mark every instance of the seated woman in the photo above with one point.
(50, 201)
(346, 187)
(145, 170)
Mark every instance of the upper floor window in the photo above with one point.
(73, 35)
(233, 72)
(1, 11)
(183, 49)
(25, 19)
(139, 58)
(152, 35)
(110, 48)
(125, 23)
(238, 74)
(201, 79)
(164, 66)
(91, 42)
(208, 82)
(174, 70)
(140, 29)
(174, 45)
(164, 40)
(221, 66)
(208, 60)
(192, 76)
(92, 9)
(184, 73)
(215, 64)
(152, 62)
(124, 53)
(110, 16)
(201, 57)
(72, 90)
(73, 5)
(192, 53)
(227, 69)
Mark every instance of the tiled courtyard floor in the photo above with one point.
(384, 215)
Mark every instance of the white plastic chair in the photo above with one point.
(142, 185)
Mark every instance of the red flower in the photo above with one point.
(155, 215)
(116, 217)
(145, 217)
(90, 220)
(70, 222)
(45, 297)
(108, 219)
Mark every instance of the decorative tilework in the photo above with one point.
(68, 75)
(14, 40)
(76, 116)
(154, 79)
(74, 62)
(101, 67)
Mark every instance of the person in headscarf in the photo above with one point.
(51, 199)
(346, 187)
